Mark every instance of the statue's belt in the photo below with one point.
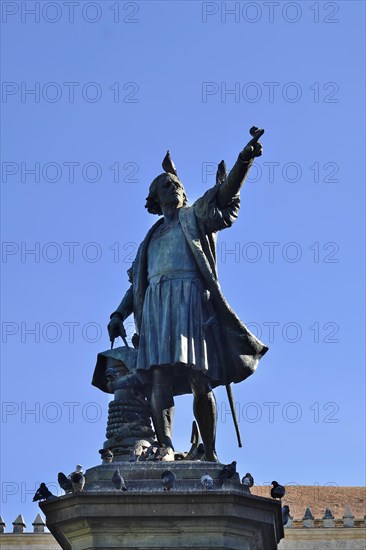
(173, 275)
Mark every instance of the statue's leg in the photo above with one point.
(204, 409)
(162, 404)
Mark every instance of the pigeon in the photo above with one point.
(228, 471)
(248, 480)
(78, 482)
(180, 456)
(221, 173)
(207, 482)
(77, 479)
(168, 480)
(197, 453)
(285, 514)
(277, 491)
(64, 482)
(42, 493)
(139, 452)
(118, 481)
(151, 452)
(165, 454)
(200, 452)
(168, 165)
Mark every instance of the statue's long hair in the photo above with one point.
(152, 203)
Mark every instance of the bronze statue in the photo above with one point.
(189, 339)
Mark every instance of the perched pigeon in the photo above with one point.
(64, 482)
(248, 480)
(180, 456)
(168, 165)
(285, 514)
(196, 453)
(221, 173)
(139, 452)
(168, 480)
(277, 491)
(200, 452)
(207, 482)
(42, 493)
(118, 481)
(151, 452)
(228, 471)
(165, 454)
(77, 479)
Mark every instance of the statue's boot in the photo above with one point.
(162, 407)
(204, 408)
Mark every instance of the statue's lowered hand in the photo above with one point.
(254, 147)
(116, 328)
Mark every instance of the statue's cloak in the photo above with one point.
(238, 349)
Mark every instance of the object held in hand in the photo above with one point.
(256, 133)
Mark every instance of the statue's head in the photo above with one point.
(160, 189)
(106, 455)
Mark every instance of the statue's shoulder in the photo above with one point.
(186, 212)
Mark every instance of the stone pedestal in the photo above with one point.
(146, 517)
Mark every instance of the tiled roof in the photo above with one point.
(318, 498)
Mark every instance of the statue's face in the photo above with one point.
(107, 457)
(170, 193)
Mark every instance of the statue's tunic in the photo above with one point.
(174, 312)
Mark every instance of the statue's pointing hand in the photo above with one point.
(254, 147)
(116, 328)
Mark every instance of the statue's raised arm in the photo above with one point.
(231, 185)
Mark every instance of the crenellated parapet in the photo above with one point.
(19, 525)
(20, 539)
(326, 521)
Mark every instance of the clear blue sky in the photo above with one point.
(113, 89)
